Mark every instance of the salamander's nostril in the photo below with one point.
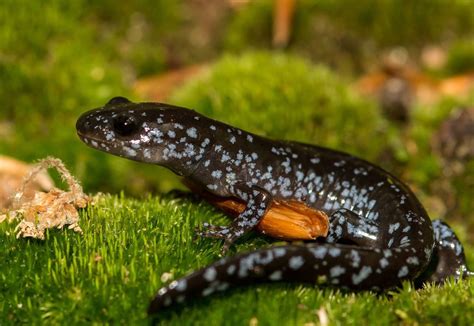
(125, 125)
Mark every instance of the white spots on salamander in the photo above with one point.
(231, 269)
(364, 272)
(212, 127)
(299, 176)
(390, 243)
(402, 199)
(383, 262)
(94, 143)
(275, 276)
(360, 170)
(173, 284)
(216, 174)
(212, 187)
(109, 135)
(129, 151)
(155, 135)
(249, 138)
(162, 291)
(182, 285)
(296, 262)
(319, 252)
(405, 242)
(337, 271)
(232, 139)
(287, 165)
(393, 227)
(189, 150)
(192, 132)
(315, 160)
(171, 133)
(135, 144)
(225, 157)
(208, 291)
(402, 272)
(205, 142)
(334, 252)
(210, 274)
(279, 252)
(395, 188)
(223, 286)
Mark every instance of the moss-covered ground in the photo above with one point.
(109, 274)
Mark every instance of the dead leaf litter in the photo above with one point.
(47, 210)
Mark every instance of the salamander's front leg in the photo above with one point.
(258, 201)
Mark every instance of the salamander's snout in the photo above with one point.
(97, 126)
(84, 124)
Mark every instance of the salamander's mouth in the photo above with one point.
(99, 144)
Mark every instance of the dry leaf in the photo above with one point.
(54, 209)
(158, 88)
(12, 174)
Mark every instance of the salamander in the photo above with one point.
(379, 233)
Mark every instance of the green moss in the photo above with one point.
(460, 57)
(286, 97)
(60, 58)
(109, 274)
(348, 35)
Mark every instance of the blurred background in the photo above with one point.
(389, 80)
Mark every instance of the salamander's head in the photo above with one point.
(147, 132)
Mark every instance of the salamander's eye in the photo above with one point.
(118, 100)
(125, 126)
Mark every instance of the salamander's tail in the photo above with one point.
(342, 265)
(448, 259)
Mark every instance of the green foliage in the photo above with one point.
(461, 57)
(348, 34)
(286, 97)
(427, 170)
(60, 58)
(109, 274)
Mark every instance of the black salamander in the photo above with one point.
(379, 232)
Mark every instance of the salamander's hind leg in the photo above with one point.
(258, 201)
(347, 226)
(447, 260)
